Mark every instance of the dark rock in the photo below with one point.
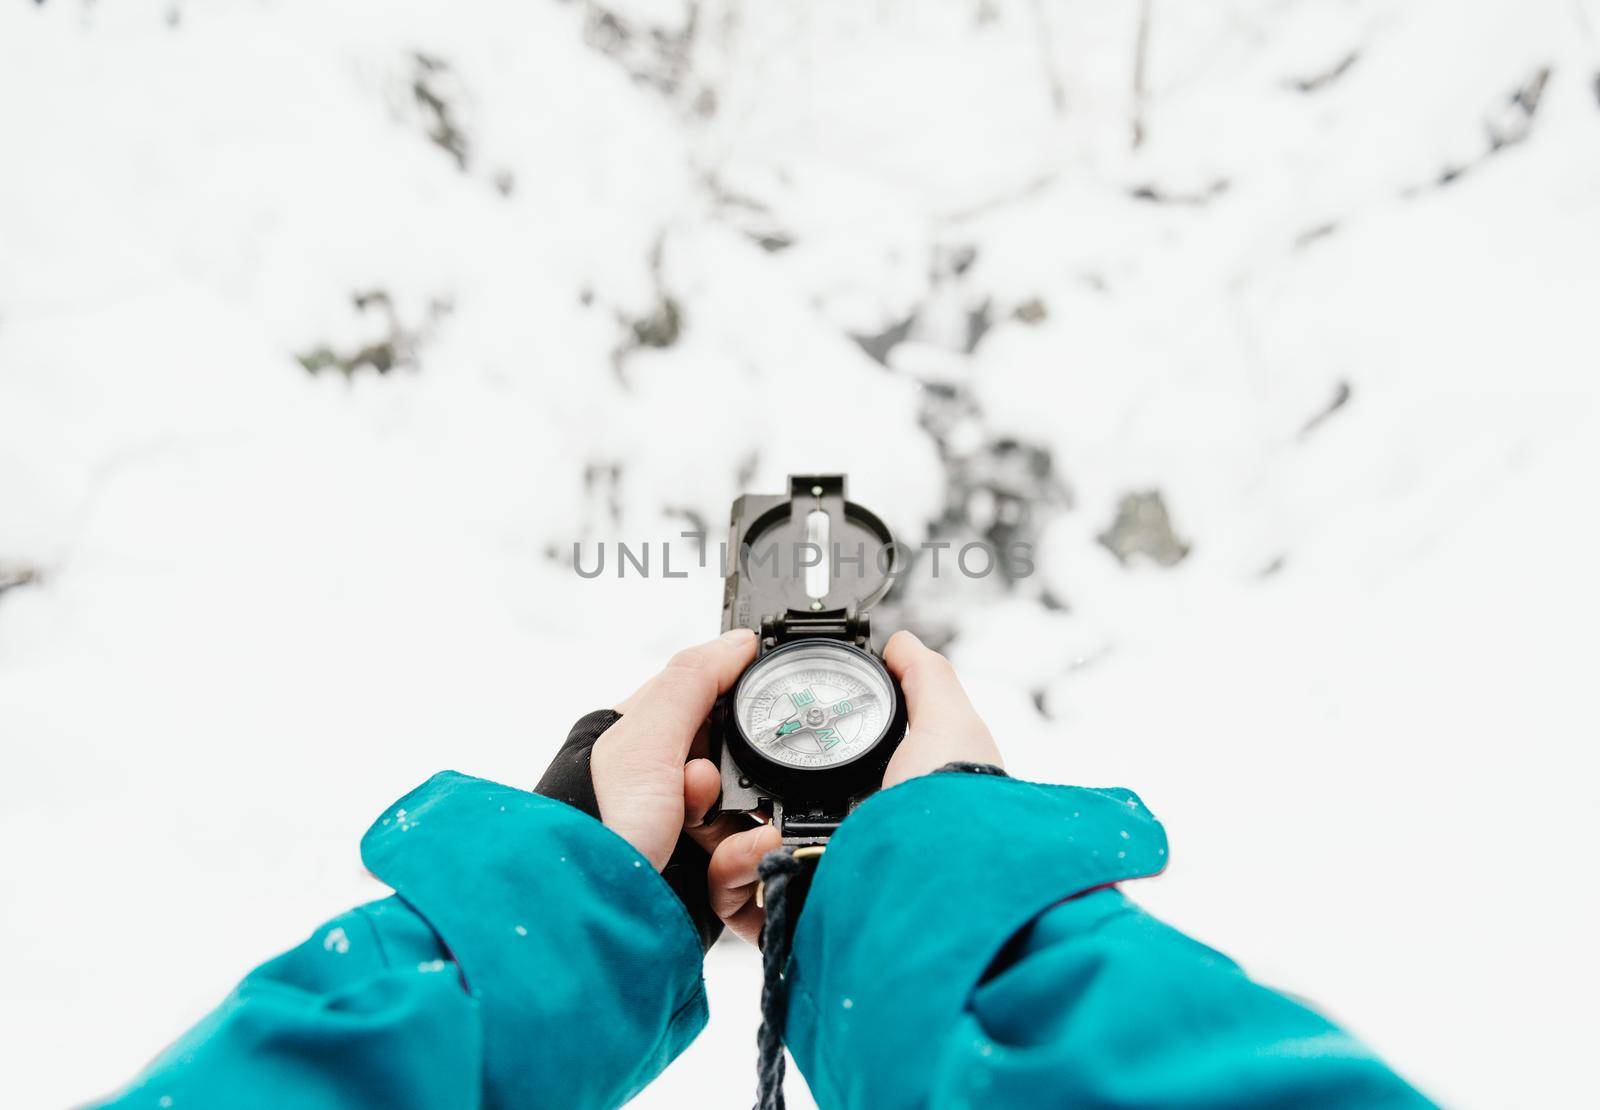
(1144, 527)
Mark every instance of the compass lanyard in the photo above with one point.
(784, 878)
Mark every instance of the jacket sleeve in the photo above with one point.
(529, 957)
(963, 944)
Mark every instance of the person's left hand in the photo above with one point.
(647, 786)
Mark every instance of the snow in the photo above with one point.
(336, 940)
(1336, 309)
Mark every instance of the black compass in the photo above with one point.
(806, 732)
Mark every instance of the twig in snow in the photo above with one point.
(1510, 124)
(1341, 397)
(15, 575)
(984, 207)
(1047, 61)
(1312, 234)
(1141, 49)
(1318, 81)
(1157, 195)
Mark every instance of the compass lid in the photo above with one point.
(810, 554)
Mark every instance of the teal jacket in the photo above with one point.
(963, 944)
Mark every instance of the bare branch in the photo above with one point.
(1141, 50)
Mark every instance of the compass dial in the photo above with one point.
(814, 704)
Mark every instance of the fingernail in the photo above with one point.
(736, 635)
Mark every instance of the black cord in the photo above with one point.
(776, 869)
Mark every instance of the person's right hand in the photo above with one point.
(942, 727)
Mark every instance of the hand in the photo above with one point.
(942, 727)
(645, 782)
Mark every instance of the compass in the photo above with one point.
(809, 727)
(814, 704)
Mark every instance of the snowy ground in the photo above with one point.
(326, 329)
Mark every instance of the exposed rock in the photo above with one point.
(1144, 528)
(397, 348)
(432, 87)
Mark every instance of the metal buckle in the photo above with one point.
(810, 851)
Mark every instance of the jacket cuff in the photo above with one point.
(549, 915)
(919, 892)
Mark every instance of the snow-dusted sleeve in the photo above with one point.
(963, 945)
(530, 957)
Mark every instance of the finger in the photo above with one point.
(710, 834)
(746, 923)
(660, 719)
(734, 636)
(702, 783)
(931, 687)
(731, 878)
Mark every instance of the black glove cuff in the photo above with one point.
(972, 769)
(567, 779)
